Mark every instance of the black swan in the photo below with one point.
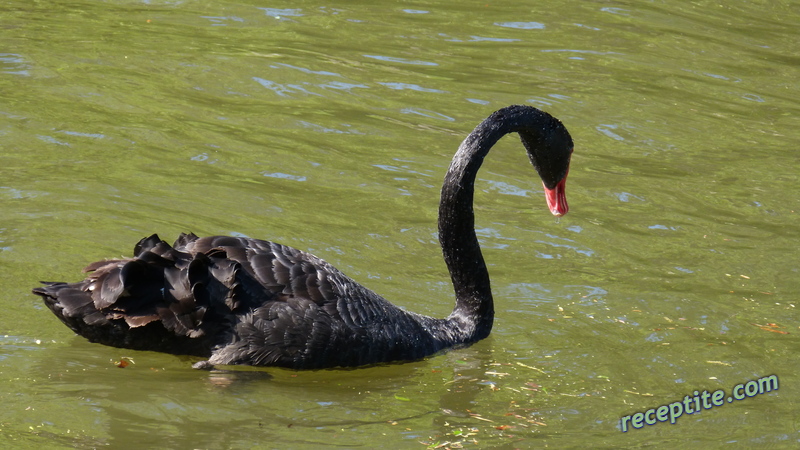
(235, 300)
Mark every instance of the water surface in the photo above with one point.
(329, 128)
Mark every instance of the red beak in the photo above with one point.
(557, 198)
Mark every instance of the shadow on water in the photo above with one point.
(154, 397)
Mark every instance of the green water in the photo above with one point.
(329, 128)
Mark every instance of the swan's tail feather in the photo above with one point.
(69, 302)
(158, 300)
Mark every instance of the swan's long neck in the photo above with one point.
(474, 311)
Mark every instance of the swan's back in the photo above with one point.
(238, 301)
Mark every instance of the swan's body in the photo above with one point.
(247, 301)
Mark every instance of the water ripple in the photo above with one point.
(13, 64)
(412, 87)
(89, 135)
(304, 70)
(426, 113)
(283, 90)
(401, 60)
(281, 13)
(521, 25)
(284, 176)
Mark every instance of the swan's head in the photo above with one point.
(550, 149)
